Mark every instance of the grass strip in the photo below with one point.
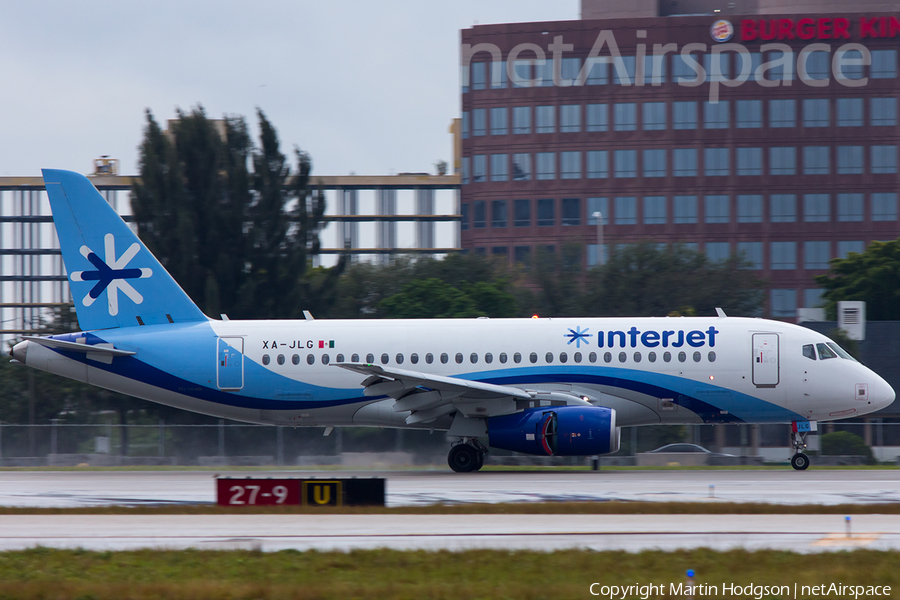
(43, 573)
(521, 508)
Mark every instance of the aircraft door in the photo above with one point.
(765, 360)
(230, 363)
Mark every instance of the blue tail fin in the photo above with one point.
(127, 287)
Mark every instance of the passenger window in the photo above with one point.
(682, 357)
(637, 357)
(809, 351)
(339, 358)
(517, 358)
(459, 358)
(473, 358)
(354, 358)
(607, 357)
(444, 358)
(712, 356)
(429, 358)
(667, 356)
(503, 357)
(622, 357)
(825, 352)
(310, 359)
(549, 357)
(414, 358)
(651, 356)
(325, 359)
(265, 359)
(399, 359)
(577, 357)
(488, 358)
(563, 357)
(370, 359)
(696, 357)
(280, 359)
(533, 357)
(592, 357)
(295, 359)
(385, 358)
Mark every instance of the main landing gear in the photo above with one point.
(467, 455)
(799, 461)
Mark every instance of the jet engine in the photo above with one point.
(556, 431)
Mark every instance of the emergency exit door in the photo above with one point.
(230, 363)
(765, 359)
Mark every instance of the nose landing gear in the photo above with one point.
(467, 455)
(799, 461)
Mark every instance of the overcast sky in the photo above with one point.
(365, 87)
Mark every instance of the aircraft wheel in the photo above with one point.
(480, 462)
(800, 461)
(463, 458)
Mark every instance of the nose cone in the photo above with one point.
(882, 394)
(20, 351)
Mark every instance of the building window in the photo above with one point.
(570, 165)
(465, 125)
(499, 125)
(684, 115)
(784, 256)
(546, 215)
(815, 160)
(498, 214)
(465, 170)
(499, 77)
(571, 211)
(818, 64)
(851, 70)
(716, 115)
(544, 119)
(815, 112)
(884, 64)
(715, 162)
(543, 73)
(816, 208)
(784, 303)
(849, 160)
(521, 119)
(884, 207)
(597, 205)
(783, 161)
(478, 221)
(625, 116)
(717, 67)
(655, 69)
(845, 248)
(496, 251)
(569, 69)
(597, 117)
(782, 113)
(655, 162)
(884, 159)
(684, 162)
(570, 118)
(749, 161)
(749, 208)
(654, 210)
(849, 112)
(749, 114)
(522, 213)
(521, 166)
(812, 298)
(685, 69)
(751, 252)
(850, 207)
(479, 172)
(717, 252)
(883, 112)
(464, 217)
(478, 76)
(717, 208)
(654, 115)
(783, 208)
(782, 66)
(625, 163)
(598, 71)
(623, 70)
(597, 164)
(816, 255)
(685, 209)
(479, 127)
(626, 210)
(546, 165)
(499, 167)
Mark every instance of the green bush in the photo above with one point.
(846, 443)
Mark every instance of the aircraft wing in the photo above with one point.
(430, 396)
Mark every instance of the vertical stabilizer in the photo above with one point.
(115, 281)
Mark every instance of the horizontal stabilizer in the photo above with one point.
(101, 349)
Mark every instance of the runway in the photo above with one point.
(800, 533)
(411, 488)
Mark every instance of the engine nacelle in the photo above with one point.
(556, 431)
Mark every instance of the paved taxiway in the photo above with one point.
(407, 488)
(802, 533)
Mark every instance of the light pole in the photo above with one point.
(599, 216)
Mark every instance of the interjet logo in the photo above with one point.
(111, 274)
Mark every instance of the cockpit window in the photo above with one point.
(841, 352)
(809, 351)
(825, 352)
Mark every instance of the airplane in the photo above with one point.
(540, 386)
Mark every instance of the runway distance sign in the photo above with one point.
(305, 492)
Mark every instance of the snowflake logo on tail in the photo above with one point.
(111, 274)
(578, 336)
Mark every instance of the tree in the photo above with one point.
(873, 276)
(231, 221)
